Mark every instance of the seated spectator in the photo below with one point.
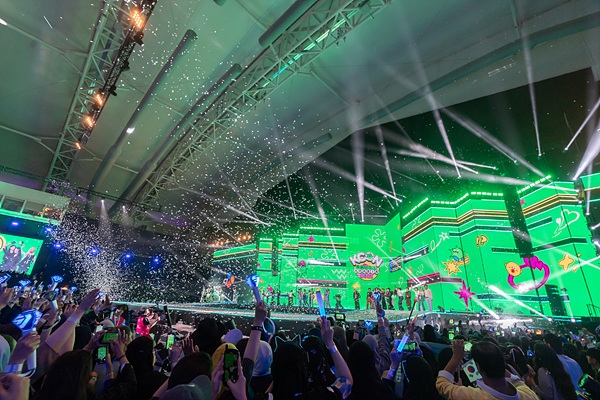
(571, 366)
(553, 382)
(290, 375)
(419, 379)
(140, 353)
(189, 367)
(493, 385)
(261, 376)
(367, 380)
(593, 358)
(70, 377)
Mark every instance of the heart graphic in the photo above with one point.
(568, 217)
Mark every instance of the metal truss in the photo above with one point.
(323, 25)
(110, 47)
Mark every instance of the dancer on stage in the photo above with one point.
(428, 298)
(356, 300)
(400, 295)
(408, 298)
(369, 298)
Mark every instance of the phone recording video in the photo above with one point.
(101, 354)
(170, 341)
(410, 347)
(230, 365)
(110, 334)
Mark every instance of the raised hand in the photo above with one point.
(188, 347)
(14, 387)
(260, 313)
(326, 332)
(25, 346)
(6, 295)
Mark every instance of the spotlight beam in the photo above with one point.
(348, 176)
(358, 155)
(585, 121)
(490, 139)
(590, 154)
(386, 162)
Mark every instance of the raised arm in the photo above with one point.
(341, 367)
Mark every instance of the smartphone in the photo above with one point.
(170, 341)
(101, 354)
(410, 347)
(340, 316)
(230, 365)
(111, 333)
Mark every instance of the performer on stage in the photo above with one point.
(291, 297)
(326, 298)
(420, 299)
(369, 298)
(390, 300)
(408, 298)
(338, 301)
(400, 295)
(428, 298)
(356, 299)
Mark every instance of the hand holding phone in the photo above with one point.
(230, 364)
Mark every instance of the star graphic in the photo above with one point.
(465, 293)
(451, 267)
(444, 236)
(566, 262)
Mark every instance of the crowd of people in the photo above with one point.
(87, 349)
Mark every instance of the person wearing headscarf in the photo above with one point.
(367, 379)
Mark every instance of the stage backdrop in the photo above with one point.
(536, 257)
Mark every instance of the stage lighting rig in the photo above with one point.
(139, 12)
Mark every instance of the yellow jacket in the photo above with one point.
(450, 391)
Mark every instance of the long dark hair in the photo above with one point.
(68, 377)
(545, 357)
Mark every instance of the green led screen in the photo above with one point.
(465, 250)
(18, 254)
(561, 241)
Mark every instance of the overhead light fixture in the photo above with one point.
(3, 22)
(89, 121)
(125, 66)
(112, 90)
(78, 145)
(138, 19)
(130, 129)
(99, 99)
(138, 38)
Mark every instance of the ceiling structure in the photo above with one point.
(225, 100)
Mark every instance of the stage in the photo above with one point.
(184, 316)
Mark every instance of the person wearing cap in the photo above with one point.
(593, 358)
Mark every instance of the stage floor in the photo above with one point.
(308, 314)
